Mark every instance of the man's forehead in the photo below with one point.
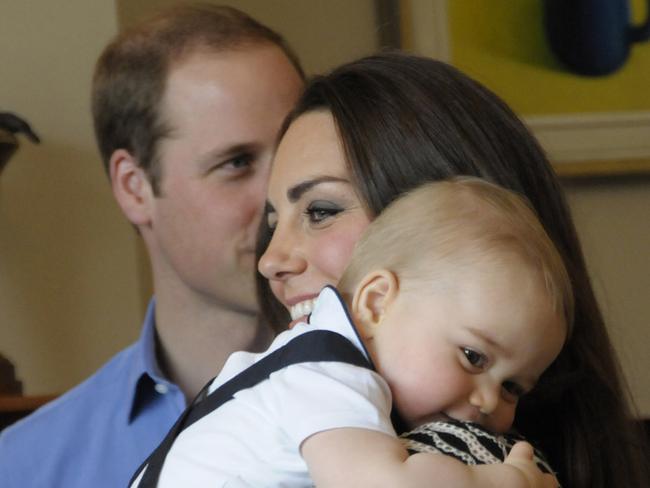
(236, 70)
(200, 52)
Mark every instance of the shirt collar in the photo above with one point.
(331, 312)
(145, 372)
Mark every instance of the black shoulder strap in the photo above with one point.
(313, 346)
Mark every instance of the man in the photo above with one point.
(187, 107)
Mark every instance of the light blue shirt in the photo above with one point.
(97, 434)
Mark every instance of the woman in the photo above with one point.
(377, 127)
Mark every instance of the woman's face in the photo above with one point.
(314, 212)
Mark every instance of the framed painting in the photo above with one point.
(589, 127)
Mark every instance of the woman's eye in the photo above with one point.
(318, 212)
(476, 359)
(512, 391)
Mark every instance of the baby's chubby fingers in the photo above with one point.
(521, 450)
(521, 457)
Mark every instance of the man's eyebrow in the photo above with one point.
(227, 152)
(295, 192)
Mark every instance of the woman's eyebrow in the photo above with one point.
(295, 192)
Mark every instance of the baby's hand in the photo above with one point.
(521, 457)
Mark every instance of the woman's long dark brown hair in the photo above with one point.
(404, 120)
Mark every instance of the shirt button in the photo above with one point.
(161, 388)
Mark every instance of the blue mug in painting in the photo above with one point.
(592, 37)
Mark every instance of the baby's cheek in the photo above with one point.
(425, 389)
(503, 419)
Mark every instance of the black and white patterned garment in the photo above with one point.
(466, 441)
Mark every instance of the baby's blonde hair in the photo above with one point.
(459, 221)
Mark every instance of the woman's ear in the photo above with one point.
(131, 187)
(373, 295)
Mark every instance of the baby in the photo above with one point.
(453, 305)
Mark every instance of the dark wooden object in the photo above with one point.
(15, 407)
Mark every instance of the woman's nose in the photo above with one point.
(485, 397)
(281, 259)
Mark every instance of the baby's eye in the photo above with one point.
(512, 391)
(475, 358)
(319, 211)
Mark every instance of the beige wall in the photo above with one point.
(324, 34)
(612, 220)
(68, 294)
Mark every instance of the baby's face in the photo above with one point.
(469, 347)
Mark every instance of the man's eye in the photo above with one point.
(271, 222)
(476, 359)
(270, 217)
(238, 162)
(318, 212)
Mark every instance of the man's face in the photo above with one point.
(224, 110)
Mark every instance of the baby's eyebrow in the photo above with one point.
(295, 192)
(481, 334)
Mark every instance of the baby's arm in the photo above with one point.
(361, 457)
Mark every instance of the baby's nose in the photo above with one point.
(485, 398)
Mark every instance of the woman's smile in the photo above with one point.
(302, 309)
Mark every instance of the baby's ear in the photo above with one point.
(372, 297)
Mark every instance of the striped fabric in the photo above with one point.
(468, 442)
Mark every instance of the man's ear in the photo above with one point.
(372, 297)
(131, 187)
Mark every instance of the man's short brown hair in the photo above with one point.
(131, 74)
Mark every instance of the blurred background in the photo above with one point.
(74, 280)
